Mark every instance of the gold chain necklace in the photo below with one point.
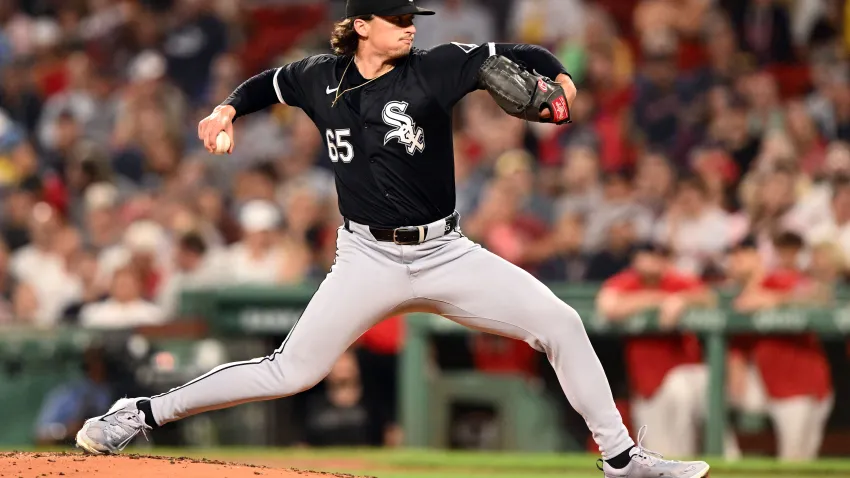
(338, 94)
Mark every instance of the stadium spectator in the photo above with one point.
(18, 96)
(302, 237)
(125, 308)
(212, 211)
(696, 230)
(659, 96)
(180, 216)
(768, 199)
(561, 251)
(377, 352)
(827, 267)
(814, 205)
(617, 203)
(666, 373)
(149, 108)
(17, 212)
(793, 368)
(655, 180)
(42, 265)
(69, 404)
(682, 16)
(340, 417)
(546, 22)
(501, 224)
(503, 356)
(491, 131)
(517, 168)
(582, 183)
(193, 40)
(84, 266)
(617, 254)
(762, 95)
(717, 171)
(808, 145)
(610, 96)
(87, 100)
(469, 179)
(144, 246)
(763, 28)
(258, 182)
(66, 134)
(25, 306)
(835, 225)
(257, 258)
(195, 266)
(729, 129)
(301, 162)
(18, 158)
(463, 21)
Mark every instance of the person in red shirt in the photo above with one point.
(793, 368)
(668, 379)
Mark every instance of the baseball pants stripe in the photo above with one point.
(449, 275)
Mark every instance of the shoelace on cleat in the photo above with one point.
(650, 456)
(135, 421)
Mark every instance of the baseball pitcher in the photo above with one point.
(383, 109)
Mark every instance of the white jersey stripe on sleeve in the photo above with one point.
(277, 88)
(492, 48)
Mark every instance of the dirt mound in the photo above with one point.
(36, 465)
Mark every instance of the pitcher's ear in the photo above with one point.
(362, 27)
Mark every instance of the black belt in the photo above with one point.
(411, 235)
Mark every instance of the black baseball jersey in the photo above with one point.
(390, 140)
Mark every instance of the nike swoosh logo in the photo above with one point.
(328, 90)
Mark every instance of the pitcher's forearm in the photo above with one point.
(255, 94)
(617, 307)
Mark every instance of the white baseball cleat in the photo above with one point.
(111, 432)
(649, 464)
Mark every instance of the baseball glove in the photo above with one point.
(522, 93)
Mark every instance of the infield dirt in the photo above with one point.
(77, 465)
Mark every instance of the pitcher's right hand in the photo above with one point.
(221, 119)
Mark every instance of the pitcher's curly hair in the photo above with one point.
(344, 38)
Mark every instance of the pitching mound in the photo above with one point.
(36, 465)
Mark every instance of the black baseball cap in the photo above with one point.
(650, 247)
(747, 243)
(384, 8)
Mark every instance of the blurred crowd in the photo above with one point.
(699, 123)
(712, 133)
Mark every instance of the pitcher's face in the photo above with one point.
(391, 36)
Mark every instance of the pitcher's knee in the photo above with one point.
(563, 326)
(298, 374)
(297, 381)
(293, 375)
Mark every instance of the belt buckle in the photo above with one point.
(420, 229)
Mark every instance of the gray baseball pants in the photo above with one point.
(449, 275)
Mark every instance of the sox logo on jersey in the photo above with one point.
(405, 130)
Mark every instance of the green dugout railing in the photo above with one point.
(260, 312)
(274, 311)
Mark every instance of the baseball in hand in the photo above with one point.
(222, 143)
